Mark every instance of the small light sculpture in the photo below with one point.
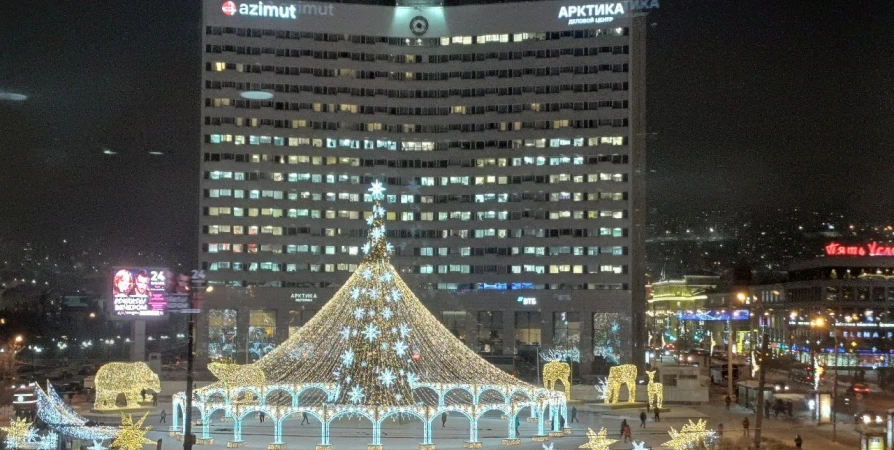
(132, 435)
(130, 379)
(655, 391)
(598, 441)
(692, 435)
(618, 375)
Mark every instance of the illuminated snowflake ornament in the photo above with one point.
(387, 378)
(639, 445)
(371, 332)
(404, 330)
(356, 394)
(347, 358)
(400, 348)
(359, 313)
(377, 190)
(387, 314)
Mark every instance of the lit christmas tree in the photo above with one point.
(375, 339)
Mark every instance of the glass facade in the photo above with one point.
(261, 333)
(222, 344)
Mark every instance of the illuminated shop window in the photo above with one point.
(261, 333)
(222, 342)
(566, 330)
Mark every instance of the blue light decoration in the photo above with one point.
(53, 411)
(373, 352)
(714, 315)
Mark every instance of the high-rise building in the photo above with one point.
(510, 139)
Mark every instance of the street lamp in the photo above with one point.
(820, 322)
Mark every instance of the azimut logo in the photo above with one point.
(291, 11)
(229, 8)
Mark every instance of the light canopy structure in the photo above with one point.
(53, 411)
(372, 352)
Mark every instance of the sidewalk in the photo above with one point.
(782, 429)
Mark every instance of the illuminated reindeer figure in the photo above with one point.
(559, 370)
(618, 375)
(655, 391)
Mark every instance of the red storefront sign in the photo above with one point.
(870, 249)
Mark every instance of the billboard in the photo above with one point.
(148, 292)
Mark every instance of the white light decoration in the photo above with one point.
(53, 411)
(639, 445)
(693, 435)
(394, 360)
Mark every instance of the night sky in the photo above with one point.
(753, 104)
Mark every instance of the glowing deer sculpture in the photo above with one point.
(654, 390)
(618, 375)
(559, 370)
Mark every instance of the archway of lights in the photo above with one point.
(374, 352)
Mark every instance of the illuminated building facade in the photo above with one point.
(510, 138)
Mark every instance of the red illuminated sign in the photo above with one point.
(229, 8)
(870, 249)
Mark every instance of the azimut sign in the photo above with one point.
(270, 10)
(602, 12)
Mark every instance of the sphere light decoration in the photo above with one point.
(130, 379)
(373, 351)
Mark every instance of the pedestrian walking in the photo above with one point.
(143, 395)
(163, 416)
(154, 399)
(261, 417)
(789, 408)
(798, 441)
(657, 416)
(623, 426)
(745, 425)
(517, 423)
(626, 433)
(304, 418)
(728, 401)
(443, 420)
(642, 419)
(561, 422)
(720, 431)
(574, 415)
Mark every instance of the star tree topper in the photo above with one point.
(598, 441)
(132, 435)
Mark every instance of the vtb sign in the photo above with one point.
(269, 10)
